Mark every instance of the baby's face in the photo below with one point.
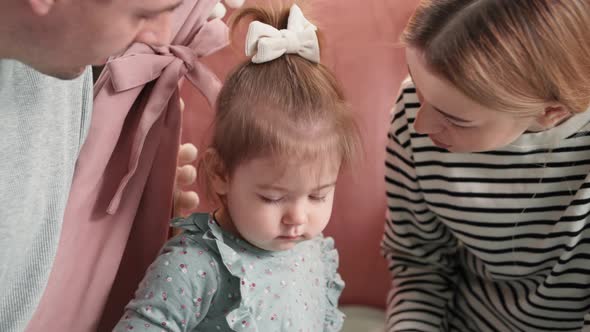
(274, 204)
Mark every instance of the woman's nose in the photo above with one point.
(428, 121)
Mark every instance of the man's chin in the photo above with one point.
(69, 74)
(101, 62)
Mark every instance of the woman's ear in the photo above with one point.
(41, 7)
(216, 172)
(553, 115)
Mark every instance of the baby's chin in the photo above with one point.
(284, 246)
(279, 244)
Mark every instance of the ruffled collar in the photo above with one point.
(306, 273)
(205, 223)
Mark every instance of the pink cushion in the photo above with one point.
(361, 46)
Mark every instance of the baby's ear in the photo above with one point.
(41, 7)
(553, 115)
(216, 172)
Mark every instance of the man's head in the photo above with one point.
(61, 37)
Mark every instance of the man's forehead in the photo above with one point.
(158, 5)
(151, 5)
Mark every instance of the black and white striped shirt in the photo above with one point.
(491, 241)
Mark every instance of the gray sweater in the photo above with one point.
(43, 123)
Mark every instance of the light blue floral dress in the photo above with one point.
(206, 279)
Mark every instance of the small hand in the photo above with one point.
(220, 10)
(186, 175)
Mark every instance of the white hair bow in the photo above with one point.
(266, 43)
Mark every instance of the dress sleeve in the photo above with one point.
(176, 292)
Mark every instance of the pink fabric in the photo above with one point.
(117, 215)
(361, 47)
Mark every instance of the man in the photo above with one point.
(46, 47)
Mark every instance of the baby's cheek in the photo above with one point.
(268, 215)
(322, 219)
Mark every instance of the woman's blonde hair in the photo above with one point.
(509, 55)
(288, 108)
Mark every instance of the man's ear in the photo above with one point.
(216, 172)
(41, 7)
(553, 115)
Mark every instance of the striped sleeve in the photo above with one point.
(419, 249)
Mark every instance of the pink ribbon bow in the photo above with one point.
(169, 64)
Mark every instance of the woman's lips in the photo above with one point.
(439, 143)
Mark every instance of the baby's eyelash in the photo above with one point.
(318, 198)
(270, 200)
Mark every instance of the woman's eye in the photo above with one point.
(454, 124)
